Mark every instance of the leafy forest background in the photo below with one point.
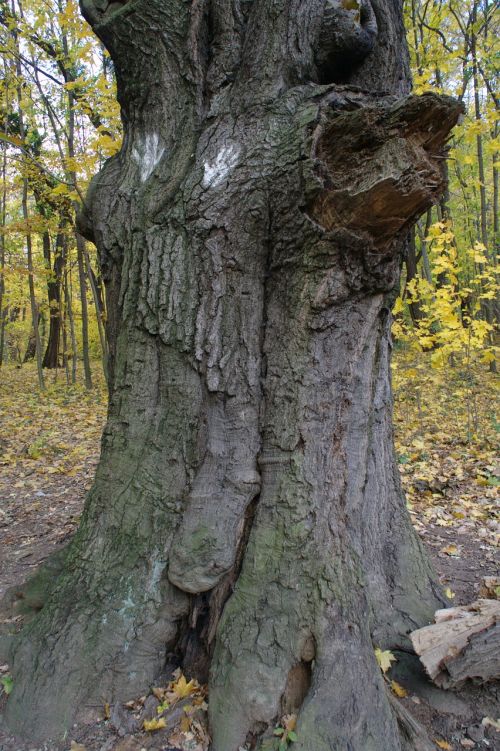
(59, 121)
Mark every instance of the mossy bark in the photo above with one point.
(247, 510)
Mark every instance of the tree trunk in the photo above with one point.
(68, 308)
(3, 216)
(247, 511)
(51, 358)
(82, 277)
(99, 311)
(412, 273)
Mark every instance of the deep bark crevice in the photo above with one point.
(197, 643)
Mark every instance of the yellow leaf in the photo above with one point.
(450, 550)
(155, 724)
(398, 306)
(60, 190)
(185, 724)
(444, 745)
(398, 690)
(384, 659)
(182, 688)
(449, 594)
(289, 722)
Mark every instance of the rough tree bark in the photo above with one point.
(247, 511)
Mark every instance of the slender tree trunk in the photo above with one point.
(80, 241)
(82, 278)
(423, 233)
(30, 351)
(64, 332)
(35, 315)
(51, 357)
(68, 298)
(247, 512)
(487, 305)
(29, 246)
(496, 225)
(479, 137)
(412, 273)
(3, 210)
(496, 190)
(99, 311)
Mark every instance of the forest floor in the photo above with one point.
(446, 438)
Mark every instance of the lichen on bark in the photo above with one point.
(250, 234)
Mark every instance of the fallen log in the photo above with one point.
(462, 644)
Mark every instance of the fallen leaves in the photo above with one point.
(181, 688)
(156, 723)
(180, 709)
(51, 432)
(384, 659)
(451, 549)
(398, 690)
(446, 435)
(178, 688)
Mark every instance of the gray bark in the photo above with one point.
(250, 236)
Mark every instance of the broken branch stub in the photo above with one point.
(395, 170)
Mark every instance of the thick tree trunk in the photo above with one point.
(247, 510)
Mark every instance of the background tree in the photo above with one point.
(451, 274)
(247, 510)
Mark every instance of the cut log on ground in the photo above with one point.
(463, 643)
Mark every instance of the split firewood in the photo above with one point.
(462, 644)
